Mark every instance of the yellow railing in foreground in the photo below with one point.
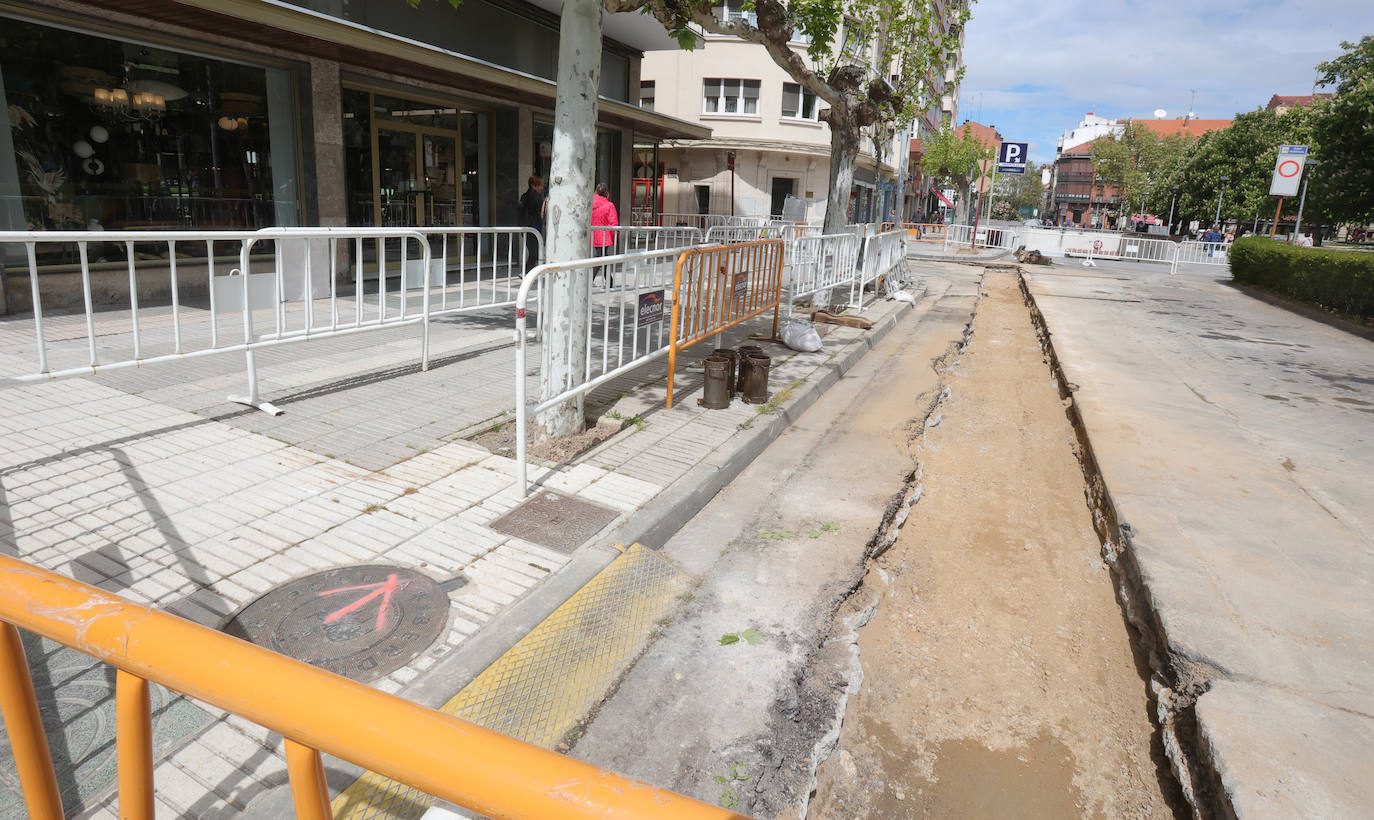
(316, 711)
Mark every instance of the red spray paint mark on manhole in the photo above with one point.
(384, 589)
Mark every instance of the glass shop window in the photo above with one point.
(118, 135)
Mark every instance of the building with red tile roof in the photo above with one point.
(1284, 103)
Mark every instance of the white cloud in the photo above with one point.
(1040, 67)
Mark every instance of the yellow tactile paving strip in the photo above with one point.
(548, 681)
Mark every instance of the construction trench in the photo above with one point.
(983, 653)
(1001, 622)
(1006, 667)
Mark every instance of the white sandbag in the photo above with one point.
(800, 334)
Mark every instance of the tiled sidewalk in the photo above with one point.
(147, 484)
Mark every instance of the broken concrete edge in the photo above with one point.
(1175, 684)
(966, 258)
(652, 525)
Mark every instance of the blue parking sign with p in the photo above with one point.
(1011, 158)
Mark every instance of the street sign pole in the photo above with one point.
(1301, 202)
(973, 240)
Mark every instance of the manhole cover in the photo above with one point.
(555, 520)
(360, 622)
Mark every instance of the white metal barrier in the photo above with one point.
(1203, 253)
(263, 288)
(957, 236)
(812, 264)
(723, 234)
(700, 221)
(883, 254)
(287, 296)
(618, 339)
(639, 238)
(1115, 245)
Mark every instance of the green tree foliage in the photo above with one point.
(1343, 132)
(1138, 162)
(866, 59)
(1014, 193)
(949, 157)
(1244, 153)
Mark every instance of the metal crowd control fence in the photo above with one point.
(987, 237)
(701, 221)
(314, 710)
(487, 264)
(287, 296)
(638, 238)
(716, 288)
(621, 332)
(924, 231)
(721, 234)
(1203, 253)
(813, 264)
(882, 254)
(284, 288)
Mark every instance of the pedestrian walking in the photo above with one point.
(531, 215)
(603, 216)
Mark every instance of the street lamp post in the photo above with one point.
(1172, 202)
(1220, 194)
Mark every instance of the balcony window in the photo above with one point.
(646, 95)
(733, 11)
(727, 96)
(798, 103)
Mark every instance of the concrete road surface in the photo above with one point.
(1236, 440)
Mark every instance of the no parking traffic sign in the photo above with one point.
(1288, 170)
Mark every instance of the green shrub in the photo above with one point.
(1339, 281)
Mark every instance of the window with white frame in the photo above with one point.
(733, 10)
(646, 94)
(727, 96)
(798, 103)
(855, 39)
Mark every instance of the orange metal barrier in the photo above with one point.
(719, 287)
(924, 231)
(316, 711)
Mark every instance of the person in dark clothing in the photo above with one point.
(532, 208)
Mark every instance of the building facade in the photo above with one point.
(240, 114)
(768, 146)
(1073, 196)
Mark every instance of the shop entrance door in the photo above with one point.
(417, 175)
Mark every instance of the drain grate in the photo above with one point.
(555, 520)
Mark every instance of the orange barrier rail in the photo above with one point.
(924, 231)
(719, 287)
(314, 710)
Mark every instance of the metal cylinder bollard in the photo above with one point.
(732, 381)
(754, 382)
(716, 396)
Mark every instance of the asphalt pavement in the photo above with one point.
(1234, 438)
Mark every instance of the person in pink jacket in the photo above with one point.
(604, 216)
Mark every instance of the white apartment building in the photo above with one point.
(767, 142)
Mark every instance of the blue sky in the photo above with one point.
(1034, 69)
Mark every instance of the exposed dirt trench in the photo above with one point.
(999, 677)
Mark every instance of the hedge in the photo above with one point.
(1339, 281)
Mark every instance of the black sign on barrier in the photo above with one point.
(741, 284)
(650, 308)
